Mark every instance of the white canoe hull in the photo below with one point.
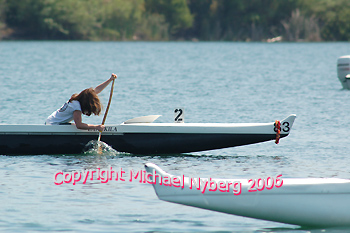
(138, 136)
(320, 202)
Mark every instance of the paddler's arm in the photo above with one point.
(103, 85)
(80, 125)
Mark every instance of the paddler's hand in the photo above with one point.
(113, 77)
(100, 127)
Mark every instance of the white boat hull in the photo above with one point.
(343, 70)
(320, 202)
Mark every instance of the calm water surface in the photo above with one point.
(214, 82)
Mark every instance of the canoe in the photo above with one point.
(138, 136)
(309, 202)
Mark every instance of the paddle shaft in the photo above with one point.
(105, 116)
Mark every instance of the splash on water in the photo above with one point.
(95, 147)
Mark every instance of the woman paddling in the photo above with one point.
(86, 102)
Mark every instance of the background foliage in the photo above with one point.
(231, 20)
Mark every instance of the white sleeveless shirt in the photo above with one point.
(64, 114)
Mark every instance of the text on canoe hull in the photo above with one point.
(107, 129)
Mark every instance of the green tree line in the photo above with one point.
(209, 20)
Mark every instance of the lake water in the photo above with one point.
(213, 82)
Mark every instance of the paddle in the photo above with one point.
(104, 118)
